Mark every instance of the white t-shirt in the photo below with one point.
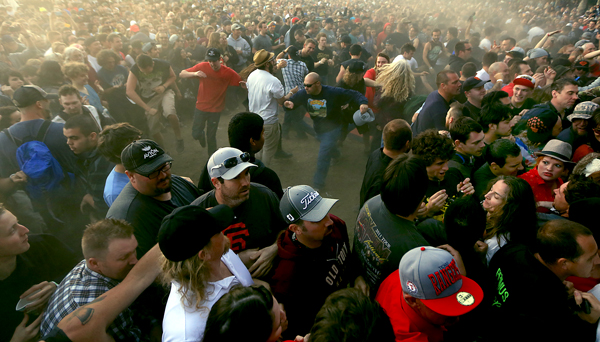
(263, 91)
(485, 44)
(94, 62)
(482, 75)
(188, 323)
(412, 62)
(494, 244)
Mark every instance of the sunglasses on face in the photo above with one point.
(156, 173)
(309, 85)
(233, 161)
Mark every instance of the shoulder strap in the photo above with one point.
(43, 131)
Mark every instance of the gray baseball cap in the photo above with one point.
(431, 274)
(228, 163)
(301, 202)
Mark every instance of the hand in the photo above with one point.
(570, 287)
(436, 202)
(323, 60)
(264, 261)
(364, 108)
(239, 51)
(160, 89)
(361, 284)
(330, 62)
(302, 338)
(282, 64)
(480, 248)
(19, 177)
(200, 74)
(98, 86)
(550, 34)
(295, 90)
(25, 332)
(498, 76)
(87, 199)
(516, 119)
(539, 79)
(549, 74)
(288, 104)
(40, 299)
(85, 100)
(422, 210)
(465, 187)
(243, 85)
(7, 90)
(152, 111)
(457, 258)
(593, 316)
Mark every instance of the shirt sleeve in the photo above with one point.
(235, 78)
(277, 89)
(194, 68)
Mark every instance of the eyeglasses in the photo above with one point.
(309, 85)
(233, 161)
(164, 169)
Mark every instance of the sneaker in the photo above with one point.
(179, 147)
(283, 155)
(202, 139)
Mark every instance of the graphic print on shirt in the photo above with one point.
(317, 108)
(237, 234)
(374, 249)
(147, 83)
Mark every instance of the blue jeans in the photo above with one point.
(211, 121)
(327, 150)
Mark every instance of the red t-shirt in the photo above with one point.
(542, 190)
(213, 87)
(407, 324)
(370, 93)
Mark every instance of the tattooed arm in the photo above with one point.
(90, 321)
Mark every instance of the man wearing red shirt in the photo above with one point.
(214, 80)
(427, 294)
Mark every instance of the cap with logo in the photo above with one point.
(228, 163)
(431, 275)
(144, 156)
(473, 82)
(301, 202)
(30, 94)
(582, 65)
(525, 80)
(213, 54)
(188, 229)
(237, 26)
(357, 66)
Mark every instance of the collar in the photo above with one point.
(536, 177)
(464, 159)
(95, 274)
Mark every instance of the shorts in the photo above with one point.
(165, 103)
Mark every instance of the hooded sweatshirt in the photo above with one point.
(304, 277)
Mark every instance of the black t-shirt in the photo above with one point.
(145, 213)
(451, 179)
(309, 61)
(380, 240)
(48, 259)
(319, 54)
(528, 104)
(474, 112)
(529, 298)
(345, 64)
(371, 185)
(257, 222)
(260, 174)
(147, 82)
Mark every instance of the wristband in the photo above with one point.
(11, 177)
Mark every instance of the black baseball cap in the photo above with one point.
(346, 39)
(144, 156)
(188, 229)
(329, 21)
(213, 54)
(473, 82)
(301, 202)
(357, 66)
(30, 94)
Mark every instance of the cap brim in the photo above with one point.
(236, 170)
(320, 210)
(147, 169)
(471, 294)
(212, 59)
(51, 96)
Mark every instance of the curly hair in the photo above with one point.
(397, 80)
(516, 220)
(431, 145)
(104, 55)
(74, 69)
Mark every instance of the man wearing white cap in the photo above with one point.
(577, 133)
(257, 223)
(427, 294)
(313, 253)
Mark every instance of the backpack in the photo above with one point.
(45, 175)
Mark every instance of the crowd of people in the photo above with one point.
(481, 123)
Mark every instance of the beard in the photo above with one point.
(159, 191)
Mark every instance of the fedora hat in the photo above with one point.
(558, 150)
(261, 57)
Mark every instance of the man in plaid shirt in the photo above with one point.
(109, 251)
(293, 77)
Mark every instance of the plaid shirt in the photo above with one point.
(81, 286)
(293, 74)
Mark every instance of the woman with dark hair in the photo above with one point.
(51, 78)
(249, 314)
(511, 213)
(593, 137)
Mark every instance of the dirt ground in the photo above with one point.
(343, 181)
